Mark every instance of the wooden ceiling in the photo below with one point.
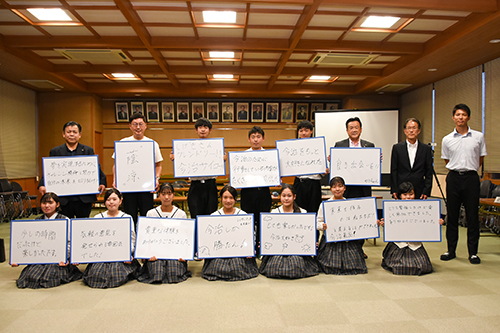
(166, 44)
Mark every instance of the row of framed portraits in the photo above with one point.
(156, 112)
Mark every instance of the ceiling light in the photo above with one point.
(219, 17)
(221, 54)
(52, 14)
(495, 41)
(223, 76)
(380, 22)
(319, 78)
(432, 69)
(122, 75)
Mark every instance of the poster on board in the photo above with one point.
(300, 157)
(288, 234)
(225, 236)
(256, 168)
(350, 219)
(38, 241)
(358, 166)
(165, 238)
(412, 220)
(71, 175)
(199, 158)
(101, 240)
(135, 166)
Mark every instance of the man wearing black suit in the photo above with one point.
(411, 161)
(354, 129)
(75, 205)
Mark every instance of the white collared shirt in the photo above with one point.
(412, 151)
(355, 145)
(463, 151)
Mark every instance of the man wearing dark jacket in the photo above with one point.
(74, 205)
(411, 161)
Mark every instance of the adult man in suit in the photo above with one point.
(74, 205)
(257, 112)
(354, 129)
(152, 114)
(167, 113)
(122, 114)
(243, 113)
(213, 114)
(411, 161)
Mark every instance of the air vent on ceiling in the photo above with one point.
(43, 84)
(393, 87)
(342, 59)
(94, 55)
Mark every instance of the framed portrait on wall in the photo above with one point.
(213, 111)
(121, 110)
(302, 111)
(153, 116)
(242, 112)
(257, 112)
(167, 111)
(227, 112)
(286, 112)
(197, 110)
(137, 107)
(182, 111)
(272, 112)
(315, 107)
(332, 106)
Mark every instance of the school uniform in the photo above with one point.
(48, 275)
(340, 258)
(112, 274)
(403, 258)
(288, 267)
(229, 269)
(165, 271)
(256, 200)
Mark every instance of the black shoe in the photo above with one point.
(448, 256)
(474, 259)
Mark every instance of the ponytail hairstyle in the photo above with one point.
(284, 186)
(231, 190)
(166, 186)
(110, 191)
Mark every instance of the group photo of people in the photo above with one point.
(332, 242)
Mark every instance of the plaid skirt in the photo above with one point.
(164, 271)
(405, 261)
(229, 269)
(288, 267)
(341, 258)
(47, 276)
(110, 274)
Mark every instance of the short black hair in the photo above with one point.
(414, 120)
(337, 180)
(137, 115)
(166, 186)
(72, 123)
(351, 120)
(110, 191)
(461, 106)
(230, 189)
(405, 187)
(48, 196)
(203, 122)
(256, 129)
(305, 124)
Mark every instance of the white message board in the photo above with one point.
(165, 238)
(199, 158)
(288, 234)
(350, 219)
(38, 241)
(302, 156)
(72, 175)
(225, 236)
(358, 166)
(135, 166)
(101, 240)
(412, 220)
(256, 168)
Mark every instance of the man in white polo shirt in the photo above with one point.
(463, 151)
